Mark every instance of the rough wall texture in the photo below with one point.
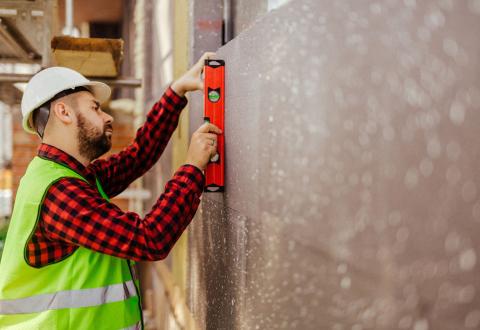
(246, 12)
(352, 172)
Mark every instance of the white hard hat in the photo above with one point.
(49, 82)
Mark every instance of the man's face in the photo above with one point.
(94, 127)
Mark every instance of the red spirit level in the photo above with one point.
(214, 98)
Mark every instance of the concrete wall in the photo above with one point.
(5, 134)
(352, 172)
(245, 13)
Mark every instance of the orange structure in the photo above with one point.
(214, 96)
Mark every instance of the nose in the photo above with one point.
(107, 118)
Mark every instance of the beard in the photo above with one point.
(92, 141)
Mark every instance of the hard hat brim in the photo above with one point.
(100, 91)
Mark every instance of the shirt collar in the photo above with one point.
(52, 153)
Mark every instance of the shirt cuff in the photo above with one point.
(179, 102)
(192, 176)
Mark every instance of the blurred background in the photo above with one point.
(352, 162)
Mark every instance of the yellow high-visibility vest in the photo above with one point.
(86, 290)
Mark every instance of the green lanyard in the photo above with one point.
(100, 190)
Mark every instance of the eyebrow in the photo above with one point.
(96, 103)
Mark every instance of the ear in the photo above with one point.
(63, 113)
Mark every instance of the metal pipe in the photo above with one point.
(69, 29)
(69, 16)
(116, 82)
(122, 82)
(227, 21)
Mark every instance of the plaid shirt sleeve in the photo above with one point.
(119, 170)
(75, 213)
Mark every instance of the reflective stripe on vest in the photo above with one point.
(69, 299)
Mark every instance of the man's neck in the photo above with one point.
(69, 148)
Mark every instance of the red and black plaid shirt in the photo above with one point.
(74, 214)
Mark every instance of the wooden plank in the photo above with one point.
(92, 57)
(178, 306)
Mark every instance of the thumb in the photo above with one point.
(201, 62)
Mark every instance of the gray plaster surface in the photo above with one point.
(352, 172)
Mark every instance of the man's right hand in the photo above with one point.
(203, 145)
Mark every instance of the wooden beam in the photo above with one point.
(93, 57)
(183, 316)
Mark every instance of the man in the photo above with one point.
(69, 255)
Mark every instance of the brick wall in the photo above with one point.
(24, 149)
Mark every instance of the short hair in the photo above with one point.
(41, 114)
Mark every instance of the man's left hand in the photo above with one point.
(192, 79)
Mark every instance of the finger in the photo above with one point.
(210, 146)
(214, 129)
(208, 127)
(204, 128)
(206, 56)
(209, 141)
(201, 62)
(213, 151)
(210, 136)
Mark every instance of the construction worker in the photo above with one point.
(69, 255)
